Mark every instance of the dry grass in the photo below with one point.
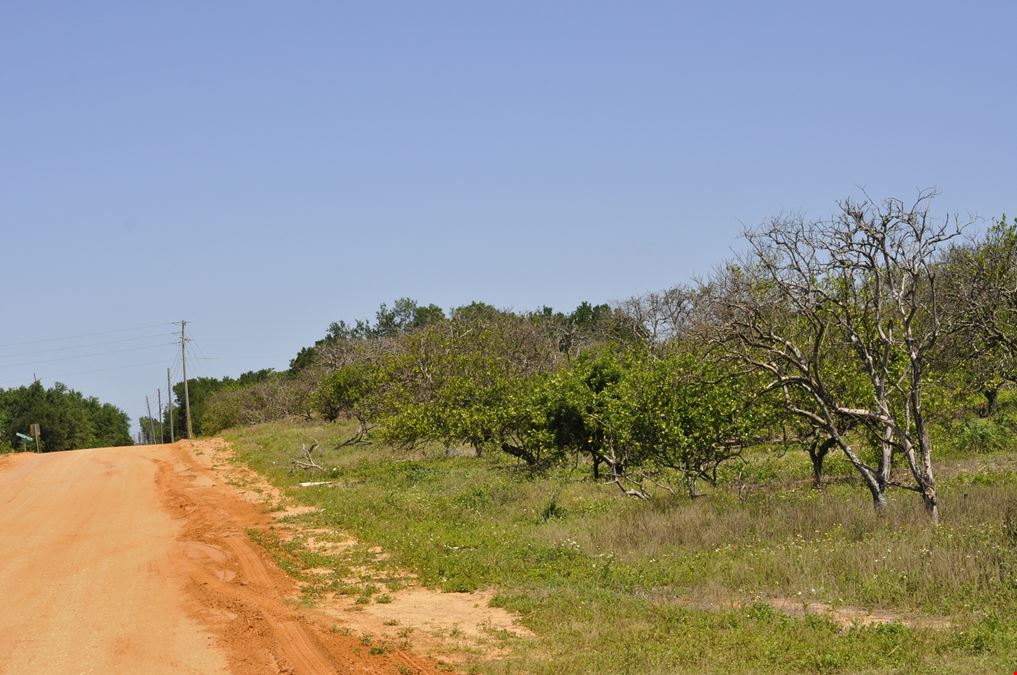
(821, 546)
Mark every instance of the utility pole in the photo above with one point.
(169, 403)
(162, 431)
(187, 395)
(151, 422)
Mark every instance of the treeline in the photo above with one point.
(858, 334)
(68, 420)
(218, 403)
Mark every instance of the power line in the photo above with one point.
(176, 367)
(191, 357)
(197, 347)
(85, 346)
(125, 367)
(214, 358)
(81, 335)
(83, 356)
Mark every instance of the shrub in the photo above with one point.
(979, 434)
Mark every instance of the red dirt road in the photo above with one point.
(137, 560)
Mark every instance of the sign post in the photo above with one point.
(37, 432)
(24, 438)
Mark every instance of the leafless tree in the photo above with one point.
(658, 318)
(842, 315)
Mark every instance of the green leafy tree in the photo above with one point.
(980, 292)
(683, 415)
(354, 390)
(67, 419)
(456, 381)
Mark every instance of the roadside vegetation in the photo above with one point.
(805, 461)
(715, 583)
(68, 419)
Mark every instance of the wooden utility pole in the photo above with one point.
(151, 422)
(169, 403)
(162, 431)
(187, 396)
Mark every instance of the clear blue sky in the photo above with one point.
(264, 168)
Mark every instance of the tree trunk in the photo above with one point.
(871, 478)
(691, 485)
(886, 458)
(878, 499)
(521, 453)
(817, 453)
(991, 401)
(931, 502)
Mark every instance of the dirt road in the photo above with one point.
(137, 560)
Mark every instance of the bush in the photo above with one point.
(982, 435)
(275, 398)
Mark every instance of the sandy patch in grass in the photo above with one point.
(845, 616)
(449, 625)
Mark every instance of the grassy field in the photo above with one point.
(719, 583)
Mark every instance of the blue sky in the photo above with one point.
(264, 168)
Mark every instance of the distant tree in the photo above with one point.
(150, 429)
(67, 419)
(199, 389)
(660, 318)
(476, 311)
(256, 397)
(586, 326)
(267, 402)
(404, 316)
(112, 425)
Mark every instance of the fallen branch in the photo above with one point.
(306, 461)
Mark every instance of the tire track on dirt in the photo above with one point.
(137, 560)
(252, 601)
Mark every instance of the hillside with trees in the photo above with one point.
(868, 334)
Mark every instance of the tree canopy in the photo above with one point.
(67, 419)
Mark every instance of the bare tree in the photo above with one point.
(842, 316)
(660, 318)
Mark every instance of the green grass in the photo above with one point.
(610, 584)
